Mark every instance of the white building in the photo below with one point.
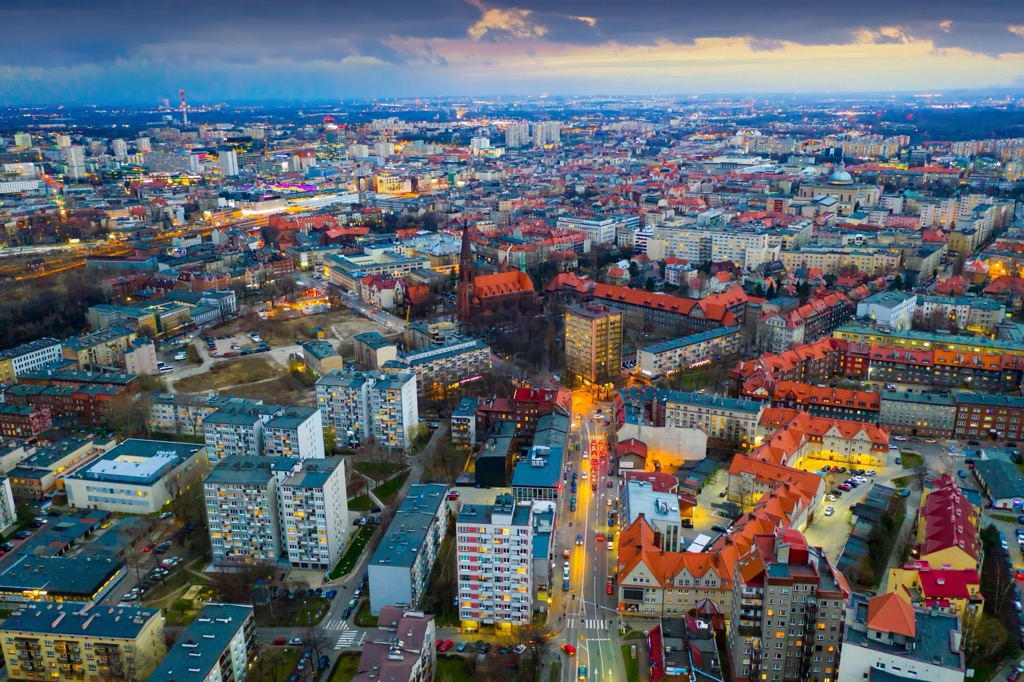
(661, 510)
(546, 132)
(29, 357)
(892, 309)
(295, 432)
(495, 564)
(886, 637)
(598, 231)
(119, 148)
(517, 134)
(140, 357)
(8, 513)
(236, 430)
(228, 162)
(313, 505)
(357, 405)
(74, 160)
(400, 568)
(182, 414)
(242, 511)
(136, 476)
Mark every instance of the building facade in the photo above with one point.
(593, 343)
(313, 508)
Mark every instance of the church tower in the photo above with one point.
(467, 273)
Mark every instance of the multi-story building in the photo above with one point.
(495, 564)
(236, 429)
(242, 508)
(394, 410)
(463, 423)
(321, 357)
(593, 343)
(372, 350)
(892, 309)
(989, 416)
(313, 506)
(728, 422)
(806, 324)
(667, 357)
(598, 230)
(978, 315)
(918, 414)
(24, 421)
(28, 357)
(36, 475)
(745, 245)
(875, 262)
(661, 511)
(824, 401)
(294, 432)
(442, 368)
(400, 568)
(182, 414)
(788, 608)
(72, 641)
(103, 348)
(885, 636)
(654, 312)
(218, 646)
(136, 476)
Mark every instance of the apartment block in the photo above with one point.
(660, 510)
(788, 609)
(236, 430)
(918, 414)
(358, 405)
(313, 507)
(103, 348)
(295, 432)
(75, 641)
(401, 565)
(593, 343)
(218, 646)
(28, 357)
(728, 422)
(463, 423)
(665, 358)
(495, 564)
(441, 368)
(402, 651)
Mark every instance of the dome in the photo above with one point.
(840, 177)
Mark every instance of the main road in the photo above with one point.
(587, 613)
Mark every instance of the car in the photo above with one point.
(973, 442)
(1011, 444)
(593, 486)
(462, 646)
(574, 475)
(565, 585)
(845, 487)
(581, 673)
(520, 648)
(579, 541)
(22, 534)
(53, 513)
(453, 495)
(842, 470)
(962, 473)
(608, 589)
(438, 643)
(346, 613)
(830, 497)
(870, 472)
(608, 484)
(825, 469)
(723, 493)
(569, 649)
(719, 529)
(930, 441)
(834, 469)
(352, 602)
(446, 645)
(147, 548)
(898, 460)
(837, 492)
(484, 647)
(505, 650)
(566, 552)
(830, 510)
(899, 438)
(584, 475)
(331, 594)
(600, 537)
(280, 641)
(295, 641)
(971, 465)
(323, 663)
(166, 515)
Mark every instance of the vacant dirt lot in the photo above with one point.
(231, 373)
(283, 390)
(341, 325)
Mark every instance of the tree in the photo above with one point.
(26, 513)
(983, 637)
(330, 438)
(128, 666)
(316, 637)
(127, 416)
(267, 666)
(897, 283)
(537, 640)
(236, 586)
(447, 461)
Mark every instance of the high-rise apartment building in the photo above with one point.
(517, 134)
(546, 132)
(313, 506)
(23, 140)
(218, 646)
(119, 148)
(295, 432)
(142, 145)
(228, 162)
(357, 405)
(236, 429)
(495, 564)
(74, 160)
(593, 343)
(788, 609)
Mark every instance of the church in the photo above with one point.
(481, 293)
(841, 187)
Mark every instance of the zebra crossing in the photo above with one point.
(594, 624)
(348, 638)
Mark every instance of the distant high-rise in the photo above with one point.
(63, 141)
(517, 135)
(74, 159)
(119, 148)
(228, 162)
(593, 343)
(23, 140)
(547, 132)
(142, 145)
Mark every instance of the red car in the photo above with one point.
(845, 487)
(446, 645)
(593, 485)
(608, 589)
(569, 649)
(280, 641)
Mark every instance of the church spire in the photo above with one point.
(467, 273)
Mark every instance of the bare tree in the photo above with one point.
(317, 638)
(267, 666)
(236, 587)
(536, 638)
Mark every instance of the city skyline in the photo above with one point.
(128, 53)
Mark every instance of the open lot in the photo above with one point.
(234, 343)
(284, 390)
(231, 373)
(341, 325)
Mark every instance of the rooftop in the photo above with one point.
(933, 634)
(408, 530)
(139, 462)
(201, 645)
(80, 620)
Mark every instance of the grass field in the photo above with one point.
(452, 669)
(232, 373)
(632, 665)
(911, 460)
(284, 389)
(363, 617)
(387, 491)
(352, 552)
(902, 481)
(360, 503)
(297, 612)
(345, 668)
(284, 659)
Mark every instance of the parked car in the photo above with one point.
(346, 613)
(331, 594)
(569, 649)
(719, 529)
(295, 641)
(462, 646)
(830, 510)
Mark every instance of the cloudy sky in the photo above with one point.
(128, 51)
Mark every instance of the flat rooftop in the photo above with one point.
(408, 530)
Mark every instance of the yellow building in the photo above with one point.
(72, 641)
(593, 343)
(954, 590)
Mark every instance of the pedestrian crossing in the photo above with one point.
(594, 624)
(348, 638)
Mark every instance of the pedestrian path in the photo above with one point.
(348, 638)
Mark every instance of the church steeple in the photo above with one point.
(467, 273)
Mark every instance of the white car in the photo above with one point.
(584, 476)
(899, 438)
(180, 356)
(830, 497)
(830, 510)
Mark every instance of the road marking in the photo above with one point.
(350, 638)
(337, 625)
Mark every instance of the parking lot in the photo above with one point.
(235, 345)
